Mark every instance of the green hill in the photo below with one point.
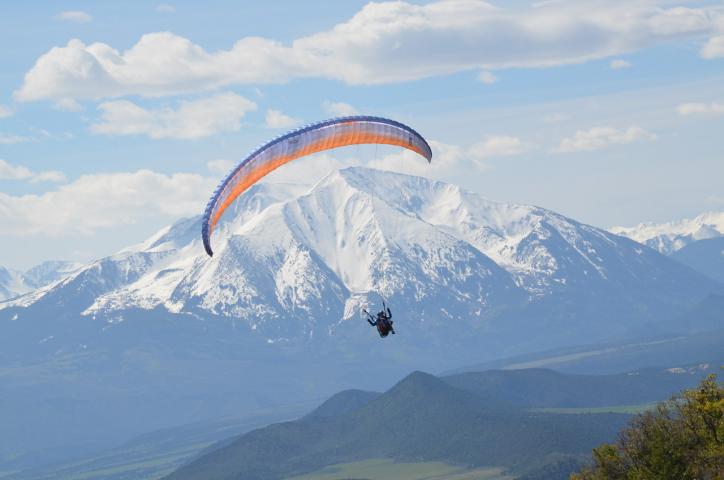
(513, 395)
(343, 402)
(422, 418)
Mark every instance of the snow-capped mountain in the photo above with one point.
(14, 283)
(292, 264)
(671, 236)
(49, 271)
(160, 334)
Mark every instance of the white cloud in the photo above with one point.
(49, 176)
(74, 16)
(447, 160)
(555, 118)
(9, 171)
(701, 109)
(452, 160)
(497, 146)
(191, 120)
(40, 134)
(309, 170)
(602, 137)
(714, 48)
(68, 105)
(165, 8)
(220, 166)
(276, 119)
(487, 78)
(11, 139)
(716, 200)
(6, 111)
(93, 202)
(159, 64)
(618, 64)
(339, 109)
(13, 172)
(384, 42)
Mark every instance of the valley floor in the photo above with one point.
(382, 469)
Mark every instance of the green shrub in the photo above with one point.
(682, 439)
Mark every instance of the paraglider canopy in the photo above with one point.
(313, 138)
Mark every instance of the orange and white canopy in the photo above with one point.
(317, 137)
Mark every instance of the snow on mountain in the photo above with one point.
(12, 284)
(541, 249)
(313, 258)
(160, 334)
(292, 263)
(50, 271)
(671, 236)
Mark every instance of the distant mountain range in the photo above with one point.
(294, 266)
(672, 236)
(697, 243)
(534, 389)
(276, 312)
(421, 418)
(480, 419)
(14, 283)
(705, 256)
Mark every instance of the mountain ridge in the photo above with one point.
(705, 256)
(276, 309)
(358, 232)
(669, 237)
(420, 418)
(15, 283)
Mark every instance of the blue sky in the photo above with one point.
(118, 118)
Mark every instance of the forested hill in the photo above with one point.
(491, 418)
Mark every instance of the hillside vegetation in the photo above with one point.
(472, 421)
(682, 439)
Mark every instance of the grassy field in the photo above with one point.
(631, 409)
(384, 469)
(141, 466)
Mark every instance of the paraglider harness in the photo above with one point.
(383, 321)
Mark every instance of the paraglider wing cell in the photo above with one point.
(338, 132)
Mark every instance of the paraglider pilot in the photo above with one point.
(383, 322)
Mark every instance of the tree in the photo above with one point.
(682, 439)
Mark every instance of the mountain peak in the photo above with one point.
(408, 394)
(295, 264)
(343, 402)
(418, 380)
